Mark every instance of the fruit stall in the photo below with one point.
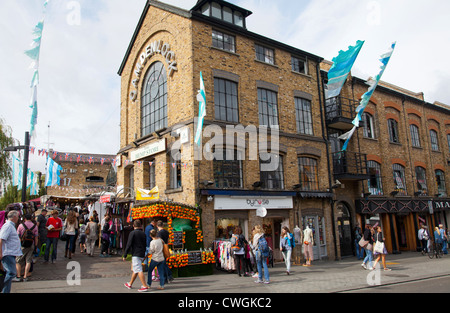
(188, 256)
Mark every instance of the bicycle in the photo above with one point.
(435, 250)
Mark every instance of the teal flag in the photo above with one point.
(373, 83)
(342, 65)
(201, 98)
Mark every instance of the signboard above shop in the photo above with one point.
(251, 202)
(148, 150)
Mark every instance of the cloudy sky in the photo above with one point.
(84, 43)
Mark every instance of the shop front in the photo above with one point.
(247, 210)
(401, 219)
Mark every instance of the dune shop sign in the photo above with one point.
(155, 47)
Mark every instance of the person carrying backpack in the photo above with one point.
(287, 244)
(28, 234)
(237, 247)
(262, 254)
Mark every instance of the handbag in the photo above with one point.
(363, 243)
(64, 237)
(379, 247)
(166, 251)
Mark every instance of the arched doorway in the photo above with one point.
(345, 229)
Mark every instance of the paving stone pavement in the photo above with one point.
(107, 275)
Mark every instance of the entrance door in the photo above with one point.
(317, 224)
(345, 230)
(401, 231)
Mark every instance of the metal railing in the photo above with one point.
(350, 164)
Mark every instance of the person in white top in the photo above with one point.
(157, 259)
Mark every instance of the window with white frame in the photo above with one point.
(265, 54)
(434, 140)
(415, 137)
(369, 127)
(299, 64)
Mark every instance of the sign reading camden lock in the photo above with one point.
(155, 47)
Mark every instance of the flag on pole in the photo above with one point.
(342, 64)
(53, 172)
(201, 98)
(373, 83)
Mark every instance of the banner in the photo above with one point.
(52, 174)
(373, 83)
(142, 194)
(201, 98)
(342, 64)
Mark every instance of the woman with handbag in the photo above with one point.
(379, 249)
(367, 244)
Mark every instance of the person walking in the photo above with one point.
(41, 221)
(28, 234)
(261, 254)
(157, 259)
(358, 248)
(368, 249)
(286, 247)
(379, 249)
(164, 235)
(444, 238)
(237, 247)
(82, 230)
(105, 236)
(423, 236)
(91, 236)
(10, 248)
(54, 225)
(438, 238)
(136, 245)
(70, 228)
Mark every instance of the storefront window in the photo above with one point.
(225, 227)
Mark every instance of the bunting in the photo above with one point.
(373, 83)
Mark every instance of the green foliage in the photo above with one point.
(6, 140)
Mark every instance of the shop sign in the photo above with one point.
(442, 204)
(105, 199)
(155, 47)
(148, 150)
(251, 203)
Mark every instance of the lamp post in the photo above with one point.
(25, 147)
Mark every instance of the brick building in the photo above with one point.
(83, 174)
(395, 170)
(252, 82)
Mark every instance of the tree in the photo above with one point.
(6, 140)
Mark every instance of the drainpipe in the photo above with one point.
(325, 138)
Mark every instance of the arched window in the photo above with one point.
(374, 182)
(440, 182)
(399, 179)
(415, 137)
(434, 140)
(421, 178)
(369, 127)
(154, 100)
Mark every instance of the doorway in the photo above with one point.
(345, 229)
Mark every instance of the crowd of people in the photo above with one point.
(24, 238)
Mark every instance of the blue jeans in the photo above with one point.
(287, 259)
(49, 242)
(9, 265)
(70, 243)
(369, 257)
(260, 263)
(161, 271)
(359, 250)
(444, 247)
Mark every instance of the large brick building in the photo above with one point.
(265, 86)
(395, 170)
(250, 80)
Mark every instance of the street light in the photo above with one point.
(25, 147)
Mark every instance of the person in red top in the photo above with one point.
(54, 226)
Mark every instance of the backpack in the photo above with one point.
(291, 240)
(27, 238)
(263, 247)
(236, 243)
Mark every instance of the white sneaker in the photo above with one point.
(364, 266)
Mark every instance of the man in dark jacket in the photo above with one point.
(136, 245)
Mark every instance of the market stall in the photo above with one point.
(188, 256)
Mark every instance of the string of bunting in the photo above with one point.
(95, 160)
